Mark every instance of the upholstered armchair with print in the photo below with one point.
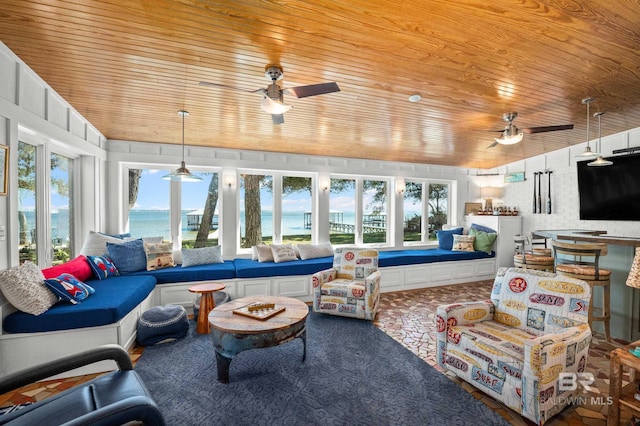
(352, 287)
(518, 346)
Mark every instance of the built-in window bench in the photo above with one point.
(38, 339)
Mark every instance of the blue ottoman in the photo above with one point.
(219, 297)
(162, 323)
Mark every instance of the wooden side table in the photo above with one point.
(623, 396)
(207, 303)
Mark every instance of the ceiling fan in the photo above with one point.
(272, 95)
(512, 135)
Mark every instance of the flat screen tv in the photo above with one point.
(610, 192)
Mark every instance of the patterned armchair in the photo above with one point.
(515, 346)
(352, 287)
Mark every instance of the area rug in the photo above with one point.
(354, 374)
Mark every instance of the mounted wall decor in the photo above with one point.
(4, 169)
(514, 177)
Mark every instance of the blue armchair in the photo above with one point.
(114, 398)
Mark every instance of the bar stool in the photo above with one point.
(584, 265)
(537, 258)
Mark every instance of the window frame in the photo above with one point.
(359, 207)
(44, 148)
(175, 198)
(426, 209)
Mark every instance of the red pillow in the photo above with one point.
(78, 267)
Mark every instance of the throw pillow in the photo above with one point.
(482, 228)
(152, 240)
(120, 236)
(159, 255)
(201, 256)
(69, 288)
(445, 237)
(78, 267)
(23, 286)
(462, 243)
(128, 256)
(483, 240)
(312, 251)
(283, 253)
(95, 244)
(102, 267)
(264, 253)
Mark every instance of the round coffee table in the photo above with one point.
(207, 303)
(233, 333)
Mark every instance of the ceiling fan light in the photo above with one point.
(511, 139)
(270, 106)
(600, 162)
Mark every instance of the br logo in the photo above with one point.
(570, 381)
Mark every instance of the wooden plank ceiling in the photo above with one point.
(129, 66)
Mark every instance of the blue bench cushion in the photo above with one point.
(448, 255)
(211, 271)
(247, 268)
(414, 257)
(114, 298)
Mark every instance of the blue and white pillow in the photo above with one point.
(102, 267)
(128, 256)
(69, 288)
(201, 256)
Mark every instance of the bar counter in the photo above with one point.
(588, 236)
(625, 301)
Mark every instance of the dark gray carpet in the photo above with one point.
(354, 375)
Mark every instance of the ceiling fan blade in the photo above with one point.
(313, 89)
(206, 83)
(547, 128)
(277, 118)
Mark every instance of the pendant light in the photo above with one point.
(587, 152)
(599, 162)
(182, 173)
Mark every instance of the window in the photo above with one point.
(61, 207)
(342, 211)
(375, 208)
(358, 211)
(149, 204)
(27, 212)
(296, 217)
(45, 226)
(150, 212)
(413, 211)
(256, 209)
(436, 209)
(200, 211)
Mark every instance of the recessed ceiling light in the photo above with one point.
(415, 98)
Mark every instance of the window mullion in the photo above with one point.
(43, 205)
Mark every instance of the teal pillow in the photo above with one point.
(128, 256)
(445, 238)
(483, 241)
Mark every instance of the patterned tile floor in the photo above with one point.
(408, 317)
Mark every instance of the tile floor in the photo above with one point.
(408, 317)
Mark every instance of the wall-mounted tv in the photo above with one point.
(610, 192)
